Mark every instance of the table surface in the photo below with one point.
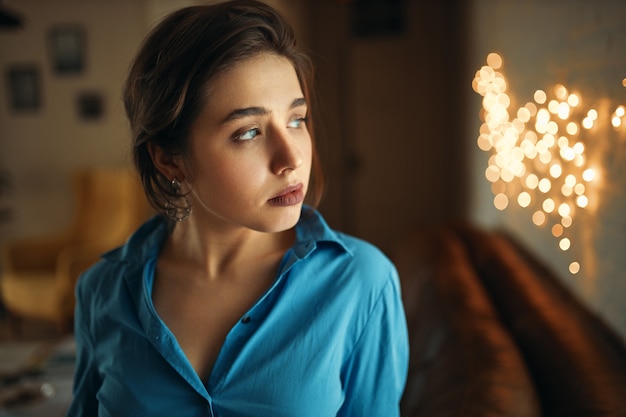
(54, 380)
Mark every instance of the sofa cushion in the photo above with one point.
(463, 362)
(577, 364)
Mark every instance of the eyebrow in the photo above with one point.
(258, 111)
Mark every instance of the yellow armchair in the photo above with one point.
(39, 274)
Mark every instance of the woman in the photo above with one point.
(238, 300)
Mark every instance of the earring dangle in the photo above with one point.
(180, 210)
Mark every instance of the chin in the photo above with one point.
(286, 219)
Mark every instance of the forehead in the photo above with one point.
(266, 79)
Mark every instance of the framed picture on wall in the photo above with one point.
(24, 88)
(67, 48)
(90, 105)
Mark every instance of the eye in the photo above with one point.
(247, 134)
(297, 123)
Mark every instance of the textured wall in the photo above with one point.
(581, 45)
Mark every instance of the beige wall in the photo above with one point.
(40, 149)
(581, 45)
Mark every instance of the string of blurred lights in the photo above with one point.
(538, 155)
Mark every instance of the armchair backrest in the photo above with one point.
(110, 204)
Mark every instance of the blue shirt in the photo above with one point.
(328, 338)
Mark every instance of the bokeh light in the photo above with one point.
(539, 150)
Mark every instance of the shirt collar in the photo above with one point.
(146, 242)
(312, 230)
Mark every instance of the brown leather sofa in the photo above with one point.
(493, 333)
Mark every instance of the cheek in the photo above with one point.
(308, 151)
(230, 177)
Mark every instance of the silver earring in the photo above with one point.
(180, 210)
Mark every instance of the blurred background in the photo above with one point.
(399, 126)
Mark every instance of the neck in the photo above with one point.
(219, 254)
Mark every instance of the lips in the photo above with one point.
(290, 196)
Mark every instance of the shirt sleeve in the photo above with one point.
(376, 372)
(86, 377)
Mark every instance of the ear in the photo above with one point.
(170, 166)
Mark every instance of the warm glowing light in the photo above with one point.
(572, 128)
(568, 153)
(548, 205)
(549, 139)
(507, 175)
(542, 146)
(524, 199)
(566, 221)
(539, 218)
(545, 157)
(540, 97)
(532, 181)
(579, 148)
(582, 201)
(620, 111)
(616, 121)
(539, 150)
(579, 189)
(494, 60)
(484, 143)
(593, 114)
(564, 210)
(501, 201)
(563, 111)
(492, 173)
(589, 174)
(552, 127)
(556, 170)
(532, 108)
(523, 114)
(579, 160)
(545, 185)
(624, 82)
(566, 190)
(560, 91)
(553, 106)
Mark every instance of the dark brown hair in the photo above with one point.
(166, 88)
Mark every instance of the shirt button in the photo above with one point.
(245, 320)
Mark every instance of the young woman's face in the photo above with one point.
(250, 150)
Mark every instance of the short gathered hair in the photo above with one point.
(166, 87)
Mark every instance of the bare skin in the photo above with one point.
(200, 310)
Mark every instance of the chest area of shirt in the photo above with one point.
(200, 316)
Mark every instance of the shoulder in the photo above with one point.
(365, 255)
(355, 267)
(108, 274)
(97, 276)
(341, 254)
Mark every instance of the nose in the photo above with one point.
(286, 152)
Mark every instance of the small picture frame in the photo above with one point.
(90, 105)
(24, 88)
(67, 49)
